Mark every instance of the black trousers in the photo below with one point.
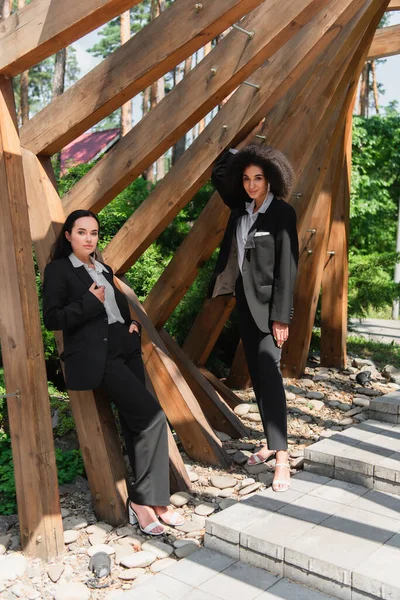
(143, 422)
(263, 360)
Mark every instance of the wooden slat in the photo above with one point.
(239, 376)
(385, 43)
(43, 27)
(147, 56)
(35, 469)
(240, 114)
(176, 398)
(217, 411)
(207, 327)
(394, 5)
(94, 421)
(235, 58)
(230, 397)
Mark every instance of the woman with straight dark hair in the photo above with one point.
(258, 263)
(102, 348)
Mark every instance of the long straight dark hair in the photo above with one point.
(62, 247)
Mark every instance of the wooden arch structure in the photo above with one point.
(303, 61)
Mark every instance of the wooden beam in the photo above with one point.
(385, 43)
(207, 327)
(35, 469)
(334, 299)
(239, 376)
(217, 411)
(147, 56)
(191, 99)
(176, 398)
(230, 397)
(42, 28)
(94, 421)
(233, 122)
(394, 5)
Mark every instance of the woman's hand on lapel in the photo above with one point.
(98, 291)
(280, 331)
(134, 328)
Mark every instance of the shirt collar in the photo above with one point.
(264, 206)
(76, 262)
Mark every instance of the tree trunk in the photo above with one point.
(24, 86)
(58, 89)
(126, 109)
(363, 110)
(375, 86)
(179, 148)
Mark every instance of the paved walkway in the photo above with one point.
(378, 330)
(208, 575)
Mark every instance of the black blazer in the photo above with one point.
(69, 306)
(270, 263)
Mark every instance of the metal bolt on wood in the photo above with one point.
(312, 231)
(17, 393)
(213, 71)
(260, 137)
(331, 252)
(297, 195)
(253, 85)
(198, 7)
(250, 34)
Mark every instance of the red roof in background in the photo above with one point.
(86, 147)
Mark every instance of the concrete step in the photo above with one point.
(336, 537)
(367, 454)
(208, 575)
(386, 408)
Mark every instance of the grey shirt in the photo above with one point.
(110, 304)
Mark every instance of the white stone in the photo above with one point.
(347, 421)
(139, 559)
(205, 509)
(245, 482)
(250, 488)
(226, 493)
(12, 567)
(307, 382)
(54, 572)
(179, 499)
(290, 396)
(131, 540)
(211, 491)
(256, 417)
(241, 409)
(359, 401)
(221, 483)
(72, 591)
(159, 549)
(95, 539)
(184, 541)
(99, 528)
(70, 536)
(189, 527)
(100, 548)
(4, 543)
(162, 564)
(318, 404)
(193, 476)
(121, 552)
(254, 408)
(131, 574)
(65, 513)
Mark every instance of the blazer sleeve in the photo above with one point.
(58, 312)
(220, 181)
(285, 271)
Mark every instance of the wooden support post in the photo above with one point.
(180, 405)
(207, 328)
(244, 110)
(146, 57)
(35, 469)
(227, 394)
(218, 413)
(42, 28)
(394, 5)
(385, 43)
(239, 376)
(334, 297)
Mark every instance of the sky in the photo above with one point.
(388, 73)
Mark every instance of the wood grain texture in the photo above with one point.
(385, 43)
(394, 5)
(230, 397)
(41, 28)
(35, 470)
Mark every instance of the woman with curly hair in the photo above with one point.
(258, 264)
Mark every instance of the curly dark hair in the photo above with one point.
(276, 168)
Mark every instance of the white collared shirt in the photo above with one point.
(110, 303)
(246, 222)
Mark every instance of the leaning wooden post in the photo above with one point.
(23, 355)
(334, 297)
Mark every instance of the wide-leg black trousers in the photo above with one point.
(143, 422)
(263, 360)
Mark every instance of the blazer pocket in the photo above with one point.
(261, 233)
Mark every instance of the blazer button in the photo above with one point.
(105, 319)
(105, 340)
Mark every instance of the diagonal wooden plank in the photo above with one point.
(385, 43)
(234, 59)
(32, 443)
(42, 27)
(142, 60)
(233, 122)
(394, 5)
(230, 397)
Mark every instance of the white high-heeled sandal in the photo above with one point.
(148, 530)
(282, 482)
(258, 460)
